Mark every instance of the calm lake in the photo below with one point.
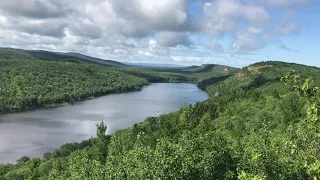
(35, 132)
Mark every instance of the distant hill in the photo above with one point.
(154, 65)
(260, 122)
(20, 54)
(202, 68)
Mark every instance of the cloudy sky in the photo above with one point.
(230, 32)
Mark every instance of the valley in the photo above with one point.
(259, 122)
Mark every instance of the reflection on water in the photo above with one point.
(35, 132)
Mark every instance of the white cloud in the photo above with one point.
(254, 30)
(153, 45)
(249, 21)
(3, 20)
(246, 43)
(143, 17)
(172, 39)
(255, 15)
(40, 9)
(228, 16)
(223, 16)
(144, 29)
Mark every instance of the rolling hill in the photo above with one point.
(261, 122)
(29, 83)
(39, 83)
(20, 54)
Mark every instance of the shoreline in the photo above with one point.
(88, 98)
(70, 103)
(193, 85)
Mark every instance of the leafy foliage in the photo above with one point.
(254, 126)
(33, 84)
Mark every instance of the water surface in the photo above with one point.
(35, 132)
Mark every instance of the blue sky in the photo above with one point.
(185, 32)
(299, 47)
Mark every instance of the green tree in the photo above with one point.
(101, 142)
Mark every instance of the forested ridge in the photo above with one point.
(29, 84)
(260, 122)
(186, 74)
(35, 84)
(21, 54)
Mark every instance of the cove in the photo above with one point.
(36, 132)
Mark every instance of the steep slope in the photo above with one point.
(20, 54)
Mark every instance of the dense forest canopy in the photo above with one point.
(34, 84)
(260, 122)
(37, 83)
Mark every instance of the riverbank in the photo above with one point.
(29, 85)
(70, 103)
(76, 123)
